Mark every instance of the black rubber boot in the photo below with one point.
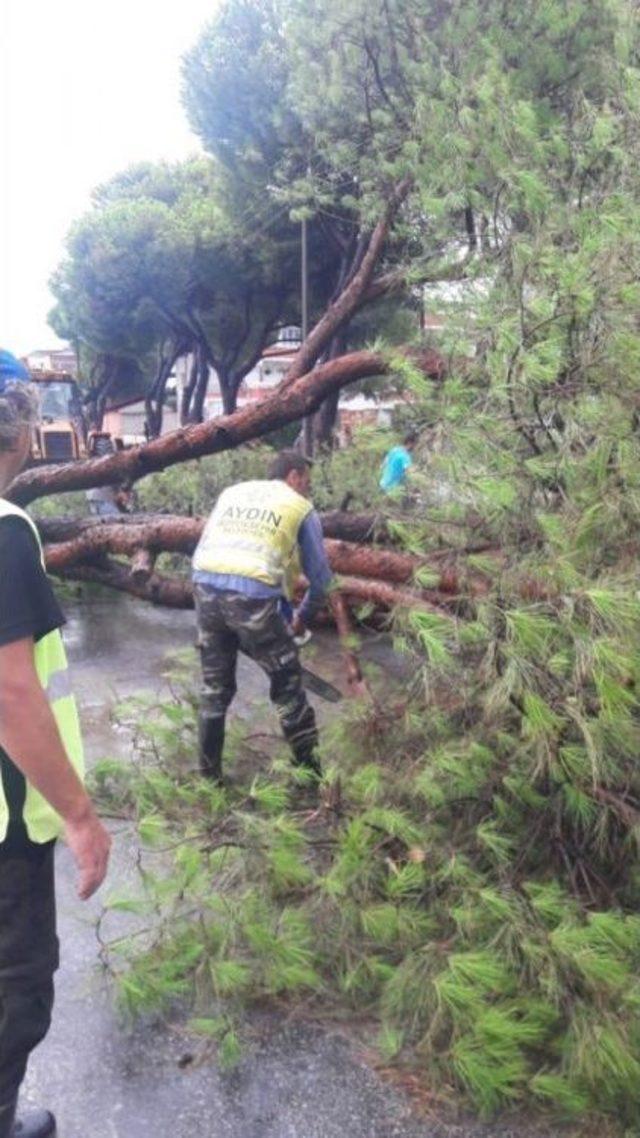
(211, 733)
(34, 1124)
(306, 758)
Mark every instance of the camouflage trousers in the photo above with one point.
(230, 622)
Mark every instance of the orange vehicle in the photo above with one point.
(60, 432)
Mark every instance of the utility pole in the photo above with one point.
(307, 429)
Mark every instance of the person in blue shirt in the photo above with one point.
(396, 464)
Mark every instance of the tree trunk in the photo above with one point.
(199, 395)
(450, 579)
(229, 386)
(188, 390)
(325, 421)
(170, 592)
(286, 405)
(154, 402)
(357, 528)
(103, 372)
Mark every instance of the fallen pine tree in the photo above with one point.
(473, 886)
(68, 541)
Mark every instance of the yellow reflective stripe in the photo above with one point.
(58, 685)
(4, 817)
(41, 821)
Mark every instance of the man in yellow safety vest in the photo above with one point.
(258, 537)
(41, 791)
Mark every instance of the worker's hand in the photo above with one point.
(89, 843)
(123, 500)
(298, 627)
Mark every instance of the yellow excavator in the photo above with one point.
(60, 432)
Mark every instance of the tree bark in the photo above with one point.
(154, 402)
(174, 592)
(202, 384)
(360, 528)
(142, 564)
(357, 528)
(188, 389)
(70, 541)
(170, 592)
(228, 391)
(95, 399)
(180, 535)
(383, 595)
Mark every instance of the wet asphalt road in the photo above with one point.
(105, 1081)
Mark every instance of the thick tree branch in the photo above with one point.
(338, 524)
(174, 592)
(450, 578)
(287, 404)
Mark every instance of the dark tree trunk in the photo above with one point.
(229, 387)
(154, 402)
(174, 592)
(103, 374)
(202, 383)
(325, 420)
(188, 390)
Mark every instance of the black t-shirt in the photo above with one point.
(28, 608)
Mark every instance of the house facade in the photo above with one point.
(353, 410)
(62, 359)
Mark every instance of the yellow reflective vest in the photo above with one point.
(253, 532)
(41, 820)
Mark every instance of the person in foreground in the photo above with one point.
(41, 792)
(256, 539)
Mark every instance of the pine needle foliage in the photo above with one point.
(476, 890)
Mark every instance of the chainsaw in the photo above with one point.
(311, 680)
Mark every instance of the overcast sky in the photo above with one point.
(86, 88)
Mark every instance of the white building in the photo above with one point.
(53, 359)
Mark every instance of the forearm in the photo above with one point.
(310, 603)
(314, 565)
(29, 735)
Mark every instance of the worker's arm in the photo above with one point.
(28, 730)
(29, 735)
(315, 567)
